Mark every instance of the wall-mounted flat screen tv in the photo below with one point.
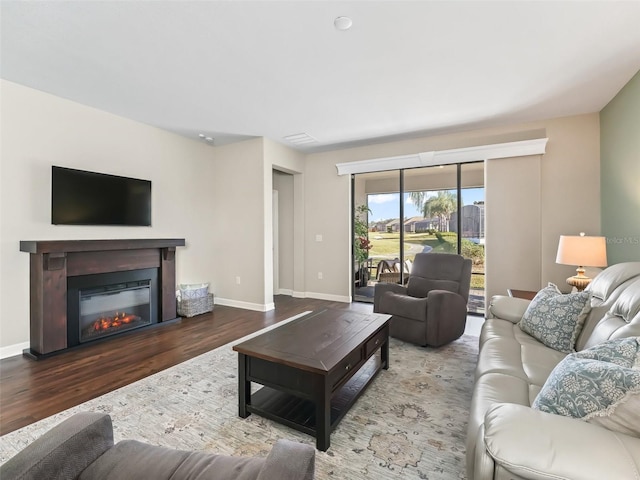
(89, 198)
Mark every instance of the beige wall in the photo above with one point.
(620, 177)
(286, 160)
(283, 183)
(39, 130)
(569, 169)
(570, 189)
(238, 212)
(219, 198)
(513, 225)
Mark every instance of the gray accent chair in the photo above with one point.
(81, 447)
(432, 308)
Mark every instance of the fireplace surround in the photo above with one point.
(67, 273)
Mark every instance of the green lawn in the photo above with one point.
(387, 246)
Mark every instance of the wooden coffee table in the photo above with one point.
(312, 369)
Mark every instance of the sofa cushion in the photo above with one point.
(556, 319)
(623, 317)
(604, 284)
(600, 385)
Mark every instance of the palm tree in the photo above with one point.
(442, 206)
(417, 198)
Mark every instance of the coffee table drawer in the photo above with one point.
(345, 367)
(374, 343)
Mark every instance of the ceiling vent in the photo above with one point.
(300, 139)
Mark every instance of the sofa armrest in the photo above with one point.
(535, 445)
(64, 451)
(289, 460)
(508, 308)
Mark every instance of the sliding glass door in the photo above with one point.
(398, 214)
(377, 230)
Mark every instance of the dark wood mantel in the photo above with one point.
(59, 246)
(53, 261)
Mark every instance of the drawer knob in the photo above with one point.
(377, 341)
(348, 366)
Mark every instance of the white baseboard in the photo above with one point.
(323, 296)
(330, 297)
(285, 291)
(257, 307)
(13, 350)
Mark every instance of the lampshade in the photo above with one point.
(582, 251)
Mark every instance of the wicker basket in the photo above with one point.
(189, 307)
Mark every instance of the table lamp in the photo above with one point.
(582, 251)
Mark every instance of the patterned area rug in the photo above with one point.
(410, 423)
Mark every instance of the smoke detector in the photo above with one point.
(342, 23)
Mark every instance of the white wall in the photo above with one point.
(39, 130)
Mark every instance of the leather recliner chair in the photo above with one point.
(432, 308)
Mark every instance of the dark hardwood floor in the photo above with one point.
(32, 390)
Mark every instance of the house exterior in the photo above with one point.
(473, 225)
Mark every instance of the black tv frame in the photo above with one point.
(82, 197)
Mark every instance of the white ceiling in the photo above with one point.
(239, 69)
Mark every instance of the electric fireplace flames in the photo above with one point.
(114, 308)
(105, 324)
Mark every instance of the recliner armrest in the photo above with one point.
(289, 460)
(533, 444)
(381, 288)
(446, 317)
(508, 308)
(64, 451)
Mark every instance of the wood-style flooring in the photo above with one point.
(32, 390)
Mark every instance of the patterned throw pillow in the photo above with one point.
(621, 351)
(556, 319)
(600, 385)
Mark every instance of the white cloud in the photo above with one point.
(383, 198)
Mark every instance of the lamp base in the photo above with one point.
(580, 280)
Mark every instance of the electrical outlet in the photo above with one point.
(319, 275)
(237, 280)
(318, 237)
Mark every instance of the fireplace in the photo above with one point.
(102, 305)
(84, 290)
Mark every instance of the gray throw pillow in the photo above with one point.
(600, 385)
(555, 319)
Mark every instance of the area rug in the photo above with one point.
(410, 423)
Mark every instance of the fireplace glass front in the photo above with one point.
(111, 309)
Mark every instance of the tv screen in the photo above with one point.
(89, 198)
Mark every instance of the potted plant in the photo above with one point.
(361, 245)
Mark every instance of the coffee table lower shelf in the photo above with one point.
(300, 414)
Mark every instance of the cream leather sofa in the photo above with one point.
(507, 439)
